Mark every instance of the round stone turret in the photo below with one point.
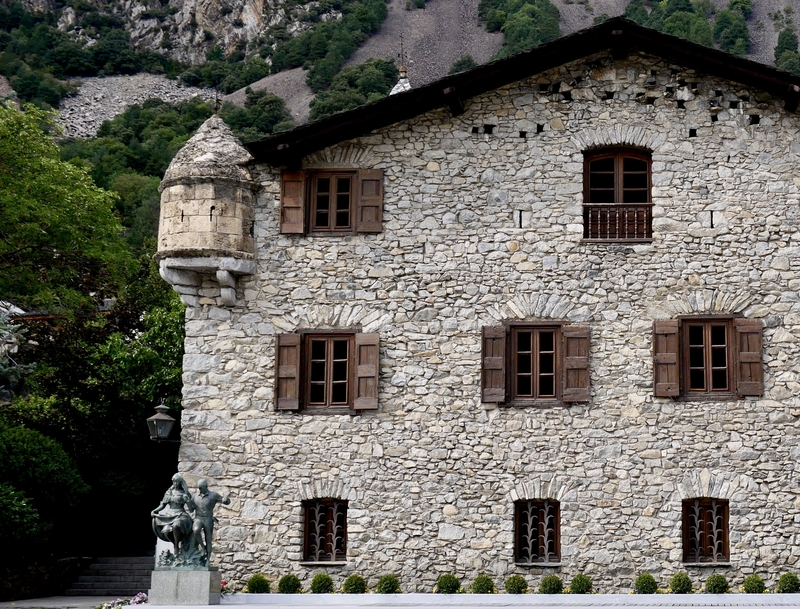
(206, 222)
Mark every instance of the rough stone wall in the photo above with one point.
(479, 229)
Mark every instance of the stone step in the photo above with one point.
(114, 576)
(117, 592)
(120, 572)
(125, 560)
(88, 580)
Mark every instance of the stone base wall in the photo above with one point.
(480, 229)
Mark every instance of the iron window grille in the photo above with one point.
(325, 530)
(705, 531)
(537, 531)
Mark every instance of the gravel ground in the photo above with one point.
(100, 99)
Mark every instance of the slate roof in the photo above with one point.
(617, 35)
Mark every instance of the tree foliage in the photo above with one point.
(60, 242)
(730, 31)
(787, 41)
(355, 86)
(690, 26)
(524, 23)
(463, 64)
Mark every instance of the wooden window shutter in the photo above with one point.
(367, 371)
(493, 369)
(287, 372)
(666, 371)
(369, 201)
(751, 355)
(293, 201)
(575, 340)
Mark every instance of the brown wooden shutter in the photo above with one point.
(751, 356)
(493, 370)
(367, 371)
(369, 201)
(287, 372)
(293, 201)
(575, 341)
(666, 377)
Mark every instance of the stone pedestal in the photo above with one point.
(171, 587)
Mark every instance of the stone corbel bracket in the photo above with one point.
(185, 275)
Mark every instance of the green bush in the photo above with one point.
(289, 584)
(258, 584)
(516, 584)
(466, 62)
(355, 584)
(448, 584)
(645, 584)
(483, 584)
(388, 584)
(753, 584)
(717, 584)
(321, 584)
(551, 584)
(789, 583)
(580, 584)
(680, 583)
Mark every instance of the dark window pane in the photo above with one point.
(318, 371)
(602, 196)
(317, 349)
(342, 219)
(696, 359)
(719, 357)
(321, 219)
(718, 335)
(343, 202)
(546, 363)
(323, 202)
(339, 371)
(546, 386)
(604, 164)
(601, 180)
(696, 335)
(317, 394)
(697, 380)
(524, 362)
(343, 185)
(630, 164)
(523, 341)
(546, 341)
(339, 393)
(340, 349)
(634, 180)
(719, 380)
(323, 184)
(634, 196)
(523, 385)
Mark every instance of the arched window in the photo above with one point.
(616, 195)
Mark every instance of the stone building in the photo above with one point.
(538, 317)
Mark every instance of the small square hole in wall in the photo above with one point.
(544, 87)
(651, 101)
(539, 128)
(755, 119)
(734, 105)
(488, 129)
(567, 95)
(669, 89)
(744, 98)
(692, 132)
(714, 118)
(682, 82)
(608, 95)
(718, 93)
(523, 134)
(476, 130)
(681, 104)
(556, 87)
(653, 73)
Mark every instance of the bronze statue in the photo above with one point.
(187, 523)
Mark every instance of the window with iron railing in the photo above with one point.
(705, 531)
(536, 531)
(325, 530)
(616, 198)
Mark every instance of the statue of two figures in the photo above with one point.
(187, 523)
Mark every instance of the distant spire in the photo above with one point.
(402, 83)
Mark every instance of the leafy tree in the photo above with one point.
(355, 86)
(745, 7)
(677, 6)
(787, 41)
(462, 64)
(689, 26)
(262, 112)
(20, 524)
(789, 61)
(706, 8)
(532, 23)
(59, 238)
(656, 18)
(730, 32)
(636, 12)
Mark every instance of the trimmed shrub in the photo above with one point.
(680, 583)
(516, 584)
(717, 584)
(753, 584)
(289, 584)
(580, 584)
(789, 583)
(551, 584)
(388, 584)
(483, 584)
(321, 584)
(258, 584)
(355, 584)
(645, 584)
(448, 584)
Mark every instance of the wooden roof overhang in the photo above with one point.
(617, 35)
